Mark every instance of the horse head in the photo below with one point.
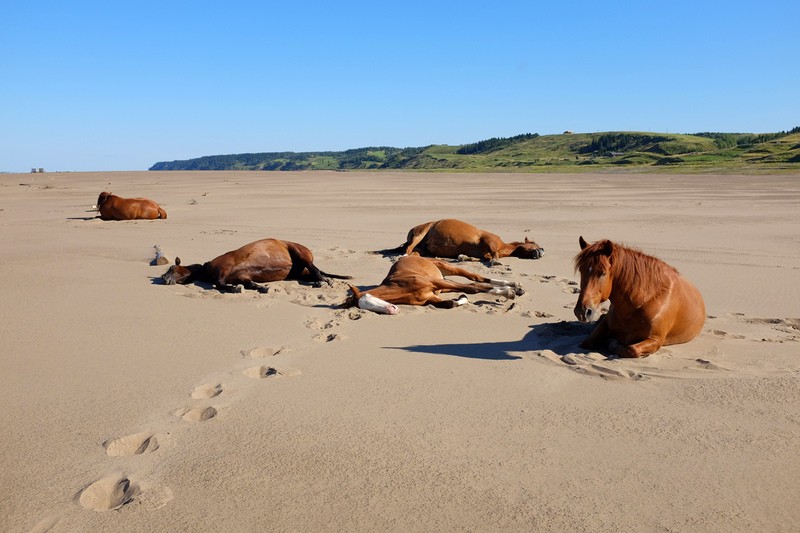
(528, 250)
(103, 198)
(595, 265)
(178, 273)
(368, 302)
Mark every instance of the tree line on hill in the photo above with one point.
(585, 147)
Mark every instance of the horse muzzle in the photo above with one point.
(587, 314)
(369, 302)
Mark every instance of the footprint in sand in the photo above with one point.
(134, 444)
(265, 351)
(315, 323)
(592, 364)
(206, 391)
(355, 314)
(260, 372)
(327, 337)
(708, 365)
(196, 414)
(568, 286)
(108, 493)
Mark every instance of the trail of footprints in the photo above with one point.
(562, 338)
(113, 491)
(119, 488)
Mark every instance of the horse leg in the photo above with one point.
(446, 285)
(223, 273)
(448, 269)
(641, 349)
(315, 276)
(253, 286)
(227, 287)
(437, 302)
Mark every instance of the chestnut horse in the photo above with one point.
(415, 280)
(453, 238)
(260, 261)
(651, 303)
(112, 207)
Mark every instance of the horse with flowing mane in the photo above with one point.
(260, 261)
(651, 303)
(113, 207)
(455, 239)
(415, 280)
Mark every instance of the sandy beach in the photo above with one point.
(130, 405)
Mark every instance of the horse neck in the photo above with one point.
(509, 249)
(199, 272)
(638, 278)
(382, 292)
(392, 292)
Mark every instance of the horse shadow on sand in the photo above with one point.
(561, 338)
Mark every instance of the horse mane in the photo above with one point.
(637, 274)
(103, 198)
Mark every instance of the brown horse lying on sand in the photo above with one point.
(458, 240)
(257, 262)
(415, 280)
(113, 207)
(651, 303)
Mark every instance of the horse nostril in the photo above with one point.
(588, 314)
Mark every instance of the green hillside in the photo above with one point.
(734, 152)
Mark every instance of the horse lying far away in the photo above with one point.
(415, 280)
(113, 207)
(455, 239)
(651, 303)
(258, 262)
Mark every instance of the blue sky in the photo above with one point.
(88, 85)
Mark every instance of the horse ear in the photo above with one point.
(352, 301)
(527, 239)
(582, 242)
(608, 248)
(178, 261)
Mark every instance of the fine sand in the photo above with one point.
(129, 405)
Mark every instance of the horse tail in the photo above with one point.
(161, 213)
(335, 276)
(391, 251)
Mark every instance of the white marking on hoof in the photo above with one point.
(506, 292)
(503, 283)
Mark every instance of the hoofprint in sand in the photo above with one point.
(138, 406)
